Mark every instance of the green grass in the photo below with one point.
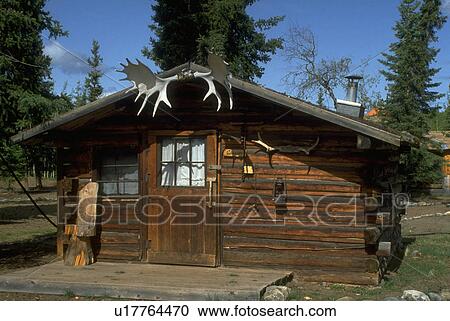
(429, 272)
(18, 232)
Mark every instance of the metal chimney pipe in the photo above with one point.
(352, 87)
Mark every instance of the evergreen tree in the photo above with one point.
(25, 86)
(79, 97)
(92, 87)
(446, 120)
(177, 25)
(237, 37)
(320, 97)
(411, 93)
(186, 30)
(408, 67)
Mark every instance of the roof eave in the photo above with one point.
(322, 113)
(73, 114)
(258, 91)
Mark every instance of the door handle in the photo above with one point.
(210, 180)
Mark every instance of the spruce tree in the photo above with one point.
(408, 67)
(177, 25)
(25, 86)
(187, 30)
(92, 87)
(79, 97)
(411, 90)
(447, 112)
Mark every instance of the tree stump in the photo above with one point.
(79, 251)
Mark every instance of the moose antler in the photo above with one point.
(148, 83)
(219, 72)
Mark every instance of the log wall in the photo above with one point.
(118, 228)
(323, 225)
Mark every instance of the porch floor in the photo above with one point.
(143, 281)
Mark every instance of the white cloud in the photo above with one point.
(69, 63)
(65, 61)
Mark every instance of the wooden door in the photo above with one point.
(182, 225)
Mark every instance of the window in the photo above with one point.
(118, 172)
(182, 162)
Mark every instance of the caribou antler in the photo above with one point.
(148, 83)
(268, 149)
(296, 149)
(284, 149)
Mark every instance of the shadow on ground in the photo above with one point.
(13, 213)
(397, 259)
(36, 251)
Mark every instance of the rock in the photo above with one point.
(276, 293)
(284, 289)
(434, 296)
(346, 298)
(413, 295)
(391, 298)
(445, 295)
(416, 254)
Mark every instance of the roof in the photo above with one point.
(358, 125)
(439, 141)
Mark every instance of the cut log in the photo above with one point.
(79, 252)
(87, 209)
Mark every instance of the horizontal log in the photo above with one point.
(292, 185)
(300, 223)
(120, 227)
(311, 247)
(295, 232)
(119, 238)
(293, 258)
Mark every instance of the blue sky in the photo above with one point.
(359, 29)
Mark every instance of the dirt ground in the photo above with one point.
(417, 225)
(26, 240)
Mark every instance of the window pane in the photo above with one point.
(167, 150)
(198, 175)
(167, 175)
(119, 172)
(108, 174)
(126, 159)
(183, 150)
(128, 188)
(127, 173)
(198, 150)
(109, 188)
(109, 160)
(183, 175)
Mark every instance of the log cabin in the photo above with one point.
(273, 182)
